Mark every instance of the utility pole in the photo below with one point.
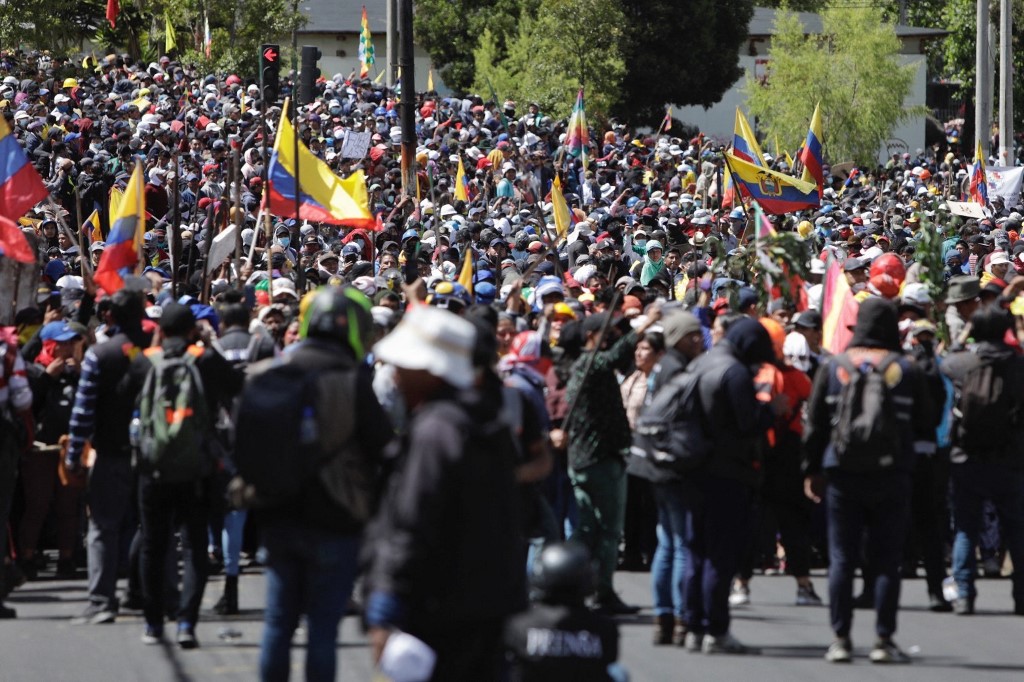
(982, 79)
(389, 50)
(407, 113)
(1006, 151)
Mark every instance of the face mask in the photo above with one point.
(283, 242)
(641, 242)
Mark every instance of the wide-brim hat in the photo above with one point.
(434, 340)
(964, 288)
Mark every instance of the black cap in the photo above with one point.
(177, 320)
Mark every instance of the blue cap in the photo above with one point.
(58, 331)
(736, 214)
(485, 292)
(411, 233)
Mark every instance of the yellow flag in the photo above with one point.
(116, 196)
(560, 209)
(466, 276)
(93, 220)
(430, 80)
(461, 192)
(169, 38)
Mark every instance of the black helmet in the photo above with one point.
(563, 574)
(339, 314)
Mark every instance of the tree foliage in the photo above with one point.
(237, 28)
(571, 43)
(852, 69)
(450, 30)
(684, 53)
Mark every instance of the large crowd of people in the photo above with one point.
(480, 379)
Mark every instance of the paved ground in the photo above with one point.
(42, 646)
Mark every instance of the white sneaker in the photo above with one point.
(740, 596)
(726, 644)
(886, 651)
(840, 651)
(693, 641)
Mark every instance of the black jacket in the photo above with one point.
(552, 643)
(447, 542)
(1011, 367)
(737, 420)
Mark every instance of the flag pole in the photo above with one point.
(140, 206)
(238, 218)
(300, 273)
(176, 226)
(735, 185)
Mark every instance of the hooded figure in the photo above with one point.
(877, 325)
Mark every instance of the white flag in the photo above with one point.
(223, 246)
(1004, 182)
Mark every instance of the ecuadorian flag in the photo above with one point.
(776, 192)
(21, 188)
(124, 243)
(323, 196)
(811, 156)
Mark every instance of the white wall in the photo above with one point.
(718, 121)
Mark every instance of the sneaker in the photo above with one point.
(187, 636)
(7, 613)
(693, 641)
(938, 604)
(95, 615)
(740, 596)
(963, 606)
(152, 634)
(726, 644)
(840, 651)
(886, 651)
(806, 596)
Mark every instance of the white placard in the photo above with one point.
(355, 145)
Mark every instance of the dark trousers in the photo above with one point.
(717, 518)
(973, 483)
(930, 518)
(111, 483)
(469, 654)
(638, 533)
(8, 484)
(41, 487)
(878, 503)
(163, 507)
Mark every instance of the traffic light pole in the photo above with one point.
(300, 272)
(407, 107)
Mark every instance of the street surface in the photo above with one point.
(41, 645)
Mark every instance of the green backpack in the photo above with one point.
(172, 422)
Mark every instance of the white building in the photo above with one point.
(718, 120)
(334, 27)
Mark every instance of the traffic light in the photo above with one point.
(309, 73)
(270, 69)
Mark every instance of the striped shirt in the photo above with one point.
(83, 414)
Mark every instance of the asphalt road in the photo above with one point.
(42, 646)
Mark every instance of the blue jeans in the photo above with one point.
(668, 569)
(308, 572)
(878, 503)
(973, 483)
(231, 540)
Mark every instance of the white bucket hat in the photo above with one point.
(434, 340)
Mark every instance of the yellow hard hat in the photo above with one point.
(804, 228)
(70, 83)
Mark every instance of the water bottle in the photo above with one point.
(135, 430)
(308, 432)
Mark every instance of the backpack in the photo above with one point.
(986, 410)
(283, 442)
(670, 431)
(173, 419)
(865, 432)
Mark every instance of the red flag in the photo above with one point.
(113, 9)
(13, 243)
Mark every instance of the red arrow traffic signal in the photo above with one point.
(270, 54)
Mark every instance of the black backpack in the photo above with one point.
(986, 410)
(865, 432)
(670, 431)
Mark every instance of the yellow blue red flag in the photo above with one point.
(323, 196)
(776, 192)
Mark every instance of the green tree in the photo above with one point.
(570, 43)
(852, 69)
(450, 30)
(683, 53)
